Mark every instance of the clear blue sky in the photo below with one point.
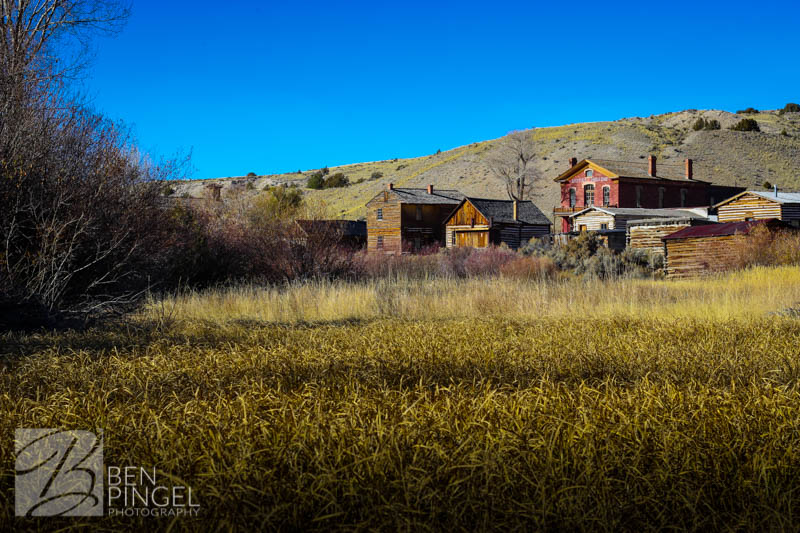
(271, 87)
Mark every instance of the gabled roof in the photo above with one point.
(502, 211)
(642, 212)
(348, 228)
(781, 197)
(632, 169)
(717, 230)
(421, 196)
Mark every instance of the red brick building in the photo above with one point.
(632, 184)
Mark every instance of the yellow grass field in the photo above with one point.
(428, 405)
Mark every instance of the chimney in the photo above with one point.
(651, 166)
(430, 189)
(689, 173)
(516, 206)
(390, 186)
(573, 161)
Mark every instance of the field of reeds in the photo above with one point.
(470, 404)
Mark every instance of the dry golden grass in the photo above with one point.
(630, 405)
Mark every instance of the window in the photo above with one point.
(638, 196)
(684, 192)
(582, 227)
(660, 197)
(419, 212)
(380, 242)
(572, 199)
(379, 214)
(417, 243)
(453, 238)
(472, 222)
(603, 226)
(588, 195)
(749, 216)
(606, 196)
(589, 173)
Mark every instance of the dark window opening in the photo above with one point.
(603, 226)
(419, 212)
(606, 196)
(638, 196)
(588, 195)
(572, 198)
(379, 214)
(380, 242)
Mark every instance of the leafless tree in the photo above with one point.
(513, 164)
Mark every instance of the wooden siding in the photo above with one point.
(592, 220)
(749, 205)
(466, 215)
(467, 235)
(648, 238)
(513, 235)
(697, 256)
(388, 228)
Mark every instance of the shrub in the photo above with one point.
(748, 111)
(790, 108)
(316, 181)
(746, 124)
(767, 185)
(703, 124)
(488, 261)
(452, 262)
(769, 247)
(699, 124)
(376, 175)
(529, 268)
(251, 174)
(401, 167)
(784, 133)
(336, 180)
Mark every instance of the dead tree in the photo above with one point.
(513, 164)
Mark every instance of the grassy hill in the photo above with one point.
(723, 156)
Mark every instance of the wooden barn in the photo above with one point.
(408, 219)
(706, 249)
(761, 205)
(644, 184)
(480, 222)
(351, 233)
(617, 218)
(646, 234)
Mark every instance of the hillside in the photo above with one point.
(723, 156)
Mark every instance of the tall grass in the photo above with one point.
(405, 405)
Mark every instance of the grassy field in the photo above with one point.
(477, 404)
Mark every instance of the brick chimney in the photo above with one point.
(651, 165)
(573, 161)
(390, 186)
(516, 207)
(689, 173)
(430, 189)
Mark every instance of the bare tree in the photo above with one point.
(513, 164)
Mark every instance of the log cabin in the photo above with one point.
(646, 234)
(480, 222)
(761, 205)
(401, 219)
(632, 184)
(700, 250)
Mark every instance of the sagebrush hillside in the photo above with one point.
(723, 156)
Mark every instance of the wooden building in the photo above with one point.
(632, 184)
(646, 234)
(700, 250)
(761, 205)
(408, 219)
(351, 233)
(480, 222)
(617, 218)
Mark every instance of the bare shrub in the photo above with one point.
(767, 246)
(488, 261)
(529, 268)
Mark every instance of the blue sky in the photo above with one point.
(272, 87)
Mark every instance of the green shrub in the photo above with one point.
(790, 108)
(316, 181)
(767, 185)
(336, 180)
(401, 167)
(746, 124)
(784, 133)
(703, 124)
(376, 175)
(251, 174)
(748, 111)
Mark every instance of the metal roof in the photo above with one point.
(664, 221)
(643, 212)
(716, 230)
(638, 169)
(781, 197)
(409, 195)
(503, 211)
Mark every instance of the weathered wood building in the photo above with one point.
(700, 250)
(617, 218)
(480, 222)
(646, 234)
(632, 184)
(761, 205)
(408, 219)
(351, 233)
